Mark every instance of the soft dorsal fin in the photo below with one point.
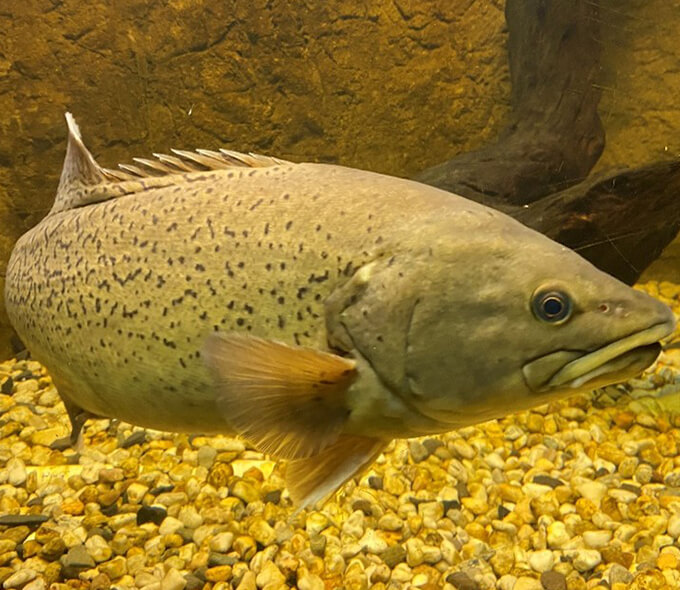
(79, 174)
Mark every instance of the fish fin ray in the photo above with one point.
(80, 175)
(312, 479)
(288, 401)
(186, 161)
(83, 181)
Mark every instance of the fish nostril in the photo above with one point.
(604, 307)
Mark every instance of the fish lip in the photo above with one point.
(595, 363)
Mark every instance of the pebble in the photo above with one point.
(173, 580)
(170, 525)
(16, 472)
(98, 548)
(593, 491)
(393, 555)
(245, 491)
(220, 573)
(77, 558)
(619, 575)
(541, 561)
(114, 568)
(269, 575)
(596, 539)
(674, 526)
(526, 583)
(553, 581)
(310, 581)
(584, 560)
(557, 535)
(20, 578)
(462, 581)
(222, 542)
(154, 514)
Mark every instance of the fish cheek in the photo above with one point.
(371, 314)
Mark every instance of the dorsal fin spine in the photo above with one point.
(79, 173)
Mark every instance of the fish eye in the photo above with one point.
(551, 306)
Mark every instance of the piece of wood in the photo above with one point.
(620, 221)
(554, 136)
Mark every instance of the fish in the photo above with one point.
(315, 310)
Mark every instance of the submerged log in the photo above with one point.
(555, 135)
(621, 222)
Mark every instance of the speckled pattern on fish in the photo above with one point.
(318, 311)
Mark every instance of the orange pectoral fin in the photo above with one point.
(288, 401)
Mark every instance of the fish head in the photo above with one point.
(500, 320)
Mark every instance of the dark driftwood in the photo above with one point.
(555, 135)
(620, 222)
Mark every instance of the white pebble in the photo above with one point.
(16, 472)
(584, 560)
(527, 583)
(310, 582)
(354, 525)
(557, 535)
(170, 525)
(463, 449)
(674, 526)
(221, 543)
(136, 492)
(173, 580)
(20, 578)
(372, 542)
(98, 548)
(541, 561)
(596, 539)
(190, 517)
(593, 491)
(37, 584)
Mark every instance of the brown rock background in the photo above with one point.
(388, 85)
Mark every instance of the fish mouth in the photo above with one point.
(587, 370)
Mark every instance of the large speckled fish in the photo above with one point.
(316, 310)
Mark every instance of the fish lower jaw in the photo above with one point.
(612, 363)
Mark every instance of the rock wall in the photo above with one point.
(392, 86)
(640, 104)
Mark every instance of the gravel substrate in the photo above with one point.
(578, 494)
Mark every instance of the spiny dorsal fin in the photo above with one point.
(83, 181)
(184, 161)
(80, 173)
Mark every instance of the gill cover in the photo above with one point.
(371, 314)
